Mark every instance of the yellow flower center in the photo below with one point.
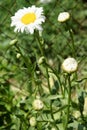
(28, 18)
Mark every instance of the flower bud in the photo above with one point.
(18, 55)
(45, 1)
(38, 104)
(13, 42)
(69, 65)
(41, 60)
(53, 128)
(63, 16)
(32, 121)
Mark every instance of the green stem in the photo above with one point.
(73, 45)
(47, 73)
(72, 39)
(39, 43)
(20, 51)
(69, 101)
(53, 116)
(24, 58)
(42, 53)
(58, 77)
(47, 76)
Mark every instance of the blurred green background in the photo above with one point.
(15, 81)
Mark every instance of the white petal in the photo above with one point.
(29, 28)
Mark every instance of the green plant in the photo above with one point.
(38, 91)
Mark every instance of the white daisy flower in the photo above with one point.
(28, 19)
(69, 65)
(63, 16)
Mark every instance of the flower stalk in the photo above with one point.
(69, 101)
(42, 53)
(73, 45)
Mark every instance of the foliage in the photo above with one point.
(23, 79)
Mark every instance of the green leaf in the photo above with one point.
(53, 97)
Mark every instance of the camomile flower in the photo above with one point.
(63, 16)
(69, 65)
(28, 19)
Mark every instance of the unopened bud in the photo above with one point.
(41, 60)
(63, 16)
(38, 104)
(13, 42)
(53, 128)
(18, 55)
(32, 121)
(69, 65)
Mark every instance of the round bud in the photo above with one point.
(38, 104)
(69, 65)
(32, 121)
(18, 55)
(63, 16)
